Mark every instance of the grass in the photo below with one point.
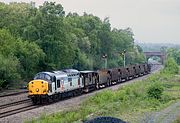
(177, 119)
(128, 102)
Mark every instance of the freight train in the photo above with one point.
(51, 86)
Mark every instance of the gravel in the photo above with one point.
(11, 99)
(12, 91)
(15, 107)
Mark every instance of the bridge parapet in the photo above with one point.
(161, 55)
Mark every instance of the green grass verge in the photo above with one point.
(177, 119)
(129, 102)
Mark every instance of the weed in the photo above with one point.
(155, 90)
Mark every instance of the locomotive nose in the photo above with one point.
(38, 87)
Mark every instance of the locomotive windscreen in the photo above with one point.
(43, 76)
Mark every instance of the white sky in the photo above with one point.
(155, 21)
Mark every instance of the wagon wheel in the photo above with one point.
(119, 79)
(109, 81)
(107, 84)
(127, 78)
(97, 85)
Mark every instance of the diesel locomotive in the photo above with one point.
(52, 86)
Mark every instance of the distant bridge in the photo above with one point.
(161, 55)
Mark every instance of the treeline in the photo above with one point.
(174, 53)
(157, 47)
(45, 38)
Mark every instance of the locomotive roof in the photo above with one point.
(63, 73)
(58, 72)
(54, 73)
(70, 71)
(49, 73)
(86, 71)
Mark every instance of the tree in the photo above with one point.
(171, 66)
(9, 70)
(30, 57)
(45, 39)
(27, 54)
(175, 53)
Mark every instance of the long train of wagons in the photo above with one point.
(52, 86)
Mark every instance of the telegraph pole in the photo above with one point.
(124, 54)
(105, 60)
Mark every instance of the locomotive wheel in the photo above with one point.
(40, 100)
(80, 92)
(59, 96)
(34, 100)
(56, 98)
(44, 100)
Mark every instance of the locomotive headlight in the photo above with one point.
(37, 90)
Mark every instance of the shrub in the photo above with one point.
(171, 66)
(155, 91)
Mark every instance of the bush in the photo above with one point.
(171, 66)
(155, 91)
(9, 67)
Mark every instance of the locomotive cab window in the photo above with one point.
(43, 76)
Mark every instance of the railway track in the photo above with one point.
(17, 110)
(16, 107)
(12, 94)
(14, 103)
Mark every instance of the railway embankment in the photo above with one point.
(141, 101)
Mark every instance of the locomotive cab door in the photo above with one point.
(54, 86)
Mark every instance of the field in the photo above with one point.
(132, 103)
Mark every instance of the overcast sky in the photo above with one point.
(152, 21)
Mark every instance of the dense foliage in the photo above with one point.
(155, 91)
(171, 66)
(45, 38)
(174, 53)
